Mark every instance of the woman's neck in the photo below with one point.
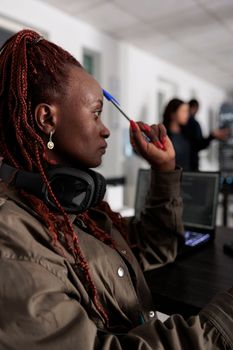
(175, 127)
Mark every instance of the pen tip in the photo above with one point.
(109, 97)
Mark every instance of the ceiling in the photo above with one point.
(196, 35)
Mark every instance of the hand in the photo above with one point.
(159, 153)
(221, 134)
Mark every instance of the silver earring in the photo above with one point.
(50, 143)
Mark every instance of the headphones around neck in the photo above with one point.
(76, 190)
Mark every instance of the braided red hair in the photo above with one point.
(33, 71)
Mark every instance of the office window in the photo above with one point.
(91, 62)
(161, 105)
(88, 62)
(165, 92)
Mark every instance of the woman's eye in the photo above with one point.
(98, 113)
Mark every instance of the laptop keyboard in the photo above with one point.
(194, 238)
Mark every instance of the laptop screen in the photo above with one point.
(199, 191)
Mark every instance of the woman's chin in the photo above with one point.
(94, 163)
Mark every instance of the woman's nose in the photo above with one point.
(105, 132)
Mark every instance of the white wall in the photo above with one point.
(141, 84)
(131, 74)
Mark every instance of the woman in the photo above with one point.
(175, 117)
(69, 278)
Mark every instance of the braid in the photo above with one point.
(31, 71)
(96, 230)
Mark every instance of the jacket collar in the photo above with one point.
(8, 192)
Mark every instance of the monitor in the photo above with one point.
(199, 191)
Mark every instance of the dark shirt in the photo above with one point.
(194, 135)
(182, 148)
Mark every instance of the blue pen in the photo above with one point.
(112, 99)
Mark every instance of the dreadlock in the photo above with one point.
(34, 70)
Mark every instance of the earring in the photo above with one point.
(50, 143)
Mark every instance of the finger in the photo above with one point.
(133, 128)
(162, 131)
(155, 131)
(132, 142)
(148, 134)
(138, 138)
(155, 136)
(145, 129)
(141, 125)
(162, 135)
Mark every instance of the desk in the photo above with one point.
(189, 283)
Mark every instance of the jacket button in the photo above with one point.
(151, 314)
(120, 272)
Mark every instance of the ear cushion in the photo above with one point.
(100, 187)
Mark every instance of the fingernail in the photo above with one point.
(133, 125)
(164, 142)
(160, 144)
(142, 127)
(146, 127)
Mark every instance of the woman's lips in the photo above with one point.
(103, 148)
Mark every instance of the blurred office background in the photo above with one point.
(145, 53)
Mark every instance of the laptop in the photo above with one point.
(199, 191)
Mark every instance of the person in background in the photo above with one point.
(175, 117)
(194, 134)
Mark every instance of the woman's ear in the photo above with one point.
(46, 117)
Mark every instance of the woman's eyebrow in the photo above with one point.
(99, 101)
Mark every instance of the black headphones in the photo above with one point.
(76, 190)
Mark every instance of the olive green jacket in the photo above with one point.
(44, 305)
